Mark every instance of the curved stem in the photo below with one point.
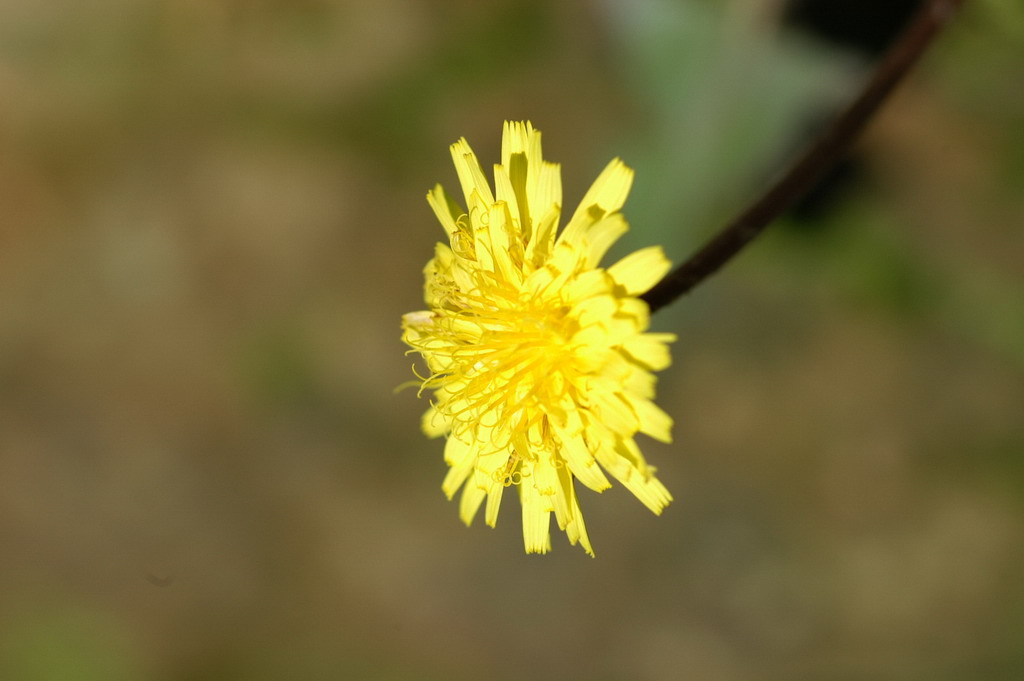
(818, 158)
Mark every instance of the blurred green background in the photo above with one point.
(212, 216)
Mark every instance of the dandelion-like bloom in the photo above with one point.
(539, 359)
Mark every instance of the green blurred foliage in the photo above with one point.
(739, 98)
(67, 642)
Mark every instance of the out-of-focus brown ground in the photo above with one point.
(211, 220)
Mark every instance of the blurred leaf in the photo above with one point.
(389, 124)
(69, 644)
(278, 367)
(1007, 15)
(722, 100)
(867, 253)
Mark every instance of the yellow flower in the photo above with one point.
(538, 358)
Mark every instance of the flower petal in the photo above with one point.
(471, 175)
(653, 421)
(459, 456)
(447, 210)
(580, 461)
(602, 234)
(544, 191)
(435, 424)
(641, 270)
(575, 528)
(536, 520)
(493, 503)
(472, 496)
(606, 195)
(650, 349)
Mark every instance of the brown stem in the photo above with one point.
(818, 158)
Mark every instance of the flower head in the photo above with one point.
(538, 357)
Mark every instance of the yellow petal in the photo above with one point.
(580, 461)
(542, 242)
(472, 496)
(639, 381)
(459, 470)
(434, 424)
(653, 494)
(457, 452)
(606, 195)
(520, 137)
(562, 504)
(543, 477)
(536, 521)
(575, 528)
(650, 349)
(505, 192)
(634, 475)
(445, 208)
(499, 226)
(641, 270)
(471, 175)
(493, 503)
(596, 310)
(653, 421)
(521, 156)
(587, 285)
(614, 413)
(544, 189)
(602, 234)
(634, 312)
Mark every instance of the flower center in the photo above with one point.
(511, 364)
